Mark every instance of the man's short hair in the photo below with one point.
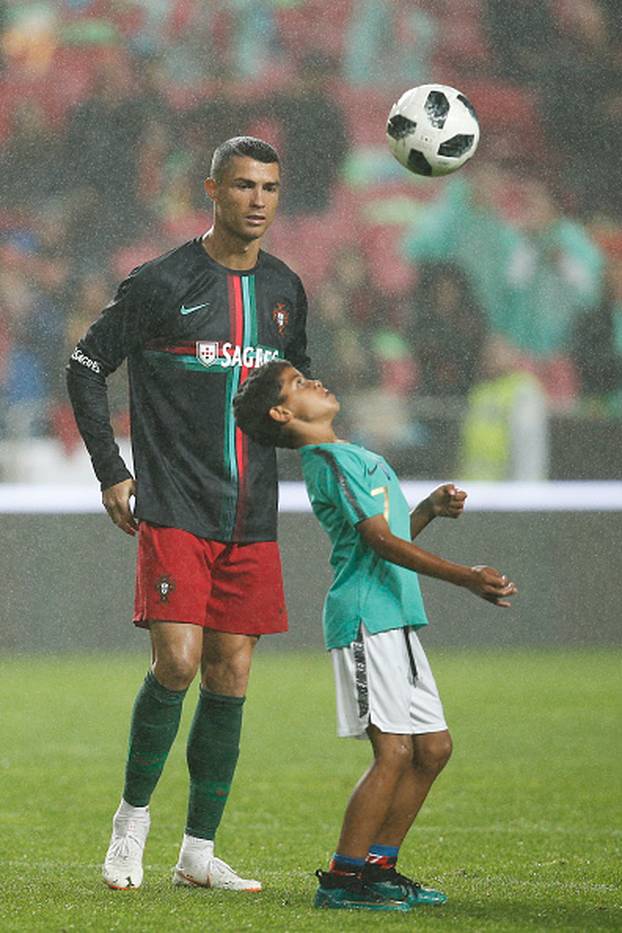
(248, 146)
(251, 406)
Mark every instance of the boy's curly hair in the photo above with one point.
(251, 406)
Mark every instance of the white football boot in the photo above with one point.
(123, 866)
(197, 866)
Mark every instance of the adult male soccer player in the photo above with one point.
(193, 324)
(384, 684)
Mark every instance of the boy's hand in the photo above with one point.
(447, 501)
(491, 585)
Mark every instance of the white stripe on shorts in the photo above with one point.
(375, 683)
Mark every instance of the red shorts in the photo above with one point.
(228, 587)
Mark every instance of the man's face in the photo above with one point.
(246, 197)
(306, 399)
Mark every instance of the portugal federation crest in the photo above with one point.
(207, 351)
(280, 316)
(165, 586)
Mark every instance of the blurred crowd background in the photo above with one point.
(474, 323)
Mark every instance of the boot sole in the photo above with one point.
(179, 878)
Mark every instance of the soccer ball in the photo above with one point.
(432, 129)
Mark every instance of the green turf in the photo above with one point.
(522, 830)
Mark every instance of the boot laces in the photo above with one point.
(128, 844)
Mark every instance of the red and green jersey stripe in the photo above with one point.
(243, 326)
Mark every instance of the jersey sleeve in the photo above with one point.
(296, 347)
(343, 483)
(119, 330)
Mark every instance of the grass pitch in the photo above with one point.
(522, 830)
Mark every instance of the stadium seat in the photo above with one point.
(366, 114)
(510, 112)
(127, 258)
(388, 270)
(64, 427)
(313, 26)
(464, 43)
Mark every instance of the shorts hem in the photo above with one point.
(413, 728)
(145, 624)
(352, 735)
(257, 632)
(392, 731)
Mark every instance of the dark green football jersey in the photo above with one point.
(191, 331)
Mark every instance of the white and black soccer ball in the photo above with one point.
(432, 129)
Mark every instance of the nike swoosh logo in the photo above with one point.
(185, 310)
(371, 470)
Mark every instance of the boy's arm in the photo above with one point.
(485, 582)
(446, 501)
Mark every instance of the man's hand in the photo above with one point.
(491, 585)
(447, 501)
(116, 500)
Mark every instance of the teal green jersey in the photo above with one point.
(346, 485)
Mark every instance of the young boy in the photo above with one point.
(385, 688)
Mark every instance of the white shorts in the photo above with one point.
(386, 680)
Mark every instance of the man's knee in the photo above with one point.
(226, 675)
(227, 662)
(176, 648)
(176, 671)
(432, 751)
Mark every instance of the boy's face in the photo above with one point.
(306, 399)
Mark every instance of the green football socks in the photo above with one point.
(212, 754)
(155, 720)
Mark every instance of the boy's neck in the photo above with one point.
(317, 434)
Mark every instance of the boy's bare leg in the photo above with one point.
(371, 802)
(431, 752)
(343, 886)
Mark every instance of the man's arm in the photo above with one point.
(296, 348)
(88, 393)
(485, 582)
(97, 355)
(445, 501)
